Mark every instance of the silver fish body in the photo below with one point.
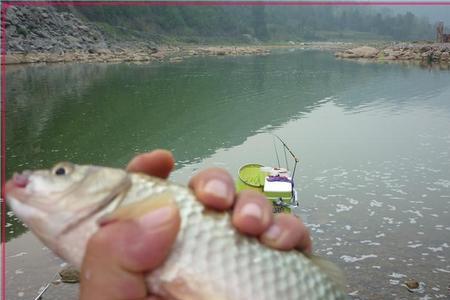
(210, 259)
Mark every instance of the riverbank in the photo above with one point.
(141, 52)
(419, 52)
(132, 54)
(47, 35)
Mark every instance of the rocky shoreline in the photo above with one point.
(46, 35)
(419, 52)
(132, 54)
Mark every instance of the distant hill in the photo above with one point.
(258, 23)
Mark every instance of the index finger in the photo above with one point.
(157, 163)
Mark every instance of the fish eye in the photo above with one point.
(62, 169)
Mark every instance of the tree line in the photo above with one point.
(265, 23)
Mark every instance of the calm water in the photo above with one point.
(373, 141)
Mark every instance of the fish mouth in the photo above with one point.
(20, 180)
(16, 186)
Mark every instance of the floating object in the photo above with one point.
(276, 183)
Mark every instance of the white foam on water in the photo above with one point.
(352, 259)
(392, 207)
(397, 275)
(415, 245)
(370, 243)
(443, 182)
(433, 189)
(375, 203)
(442, 270)
(380, 235)
(389, 220)
(416, 212)
(412, 221)
(394, 282)
(352, 201)
(400, 191)
(342, 207)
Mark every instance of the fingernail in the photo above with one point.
(273, 233)
(157, 217)
(219, 189)
(251, 210)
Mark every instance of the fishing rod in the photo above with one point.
(286, 146)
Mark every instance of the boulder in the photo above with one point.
(365, 52)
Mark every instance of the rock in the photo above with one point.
(291, 43)
(360, 52)
(445, 56)
(11, 59)
(102, 51)
(365, 52)
(176, 59)
(158, 55)
(46, 29)
(412, 284)
(69, 274)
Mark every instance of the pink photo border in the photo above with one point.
(6, 4)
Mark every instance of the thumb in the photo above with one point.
(120, 254)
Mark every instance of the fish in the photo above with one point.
(210, 260)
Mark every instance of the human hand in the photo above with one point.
(120, 254)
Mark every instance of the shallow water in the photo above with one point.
(373, 142)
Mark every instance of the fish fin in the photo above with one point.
(331, 269)
(182, 289)
(137, 209)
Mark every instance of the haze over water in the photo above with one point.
(373, 142)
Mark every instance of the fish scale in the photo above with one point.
(237, 267)
(210, 259)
